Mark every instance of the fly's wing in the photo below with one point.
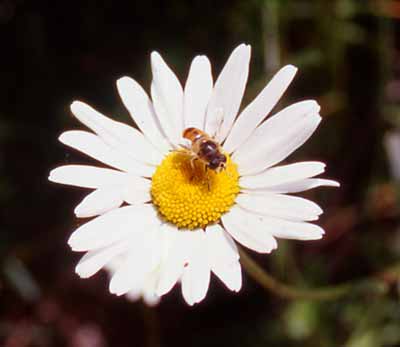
(217, 118)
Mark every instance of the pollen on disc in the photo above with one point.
(192, 197)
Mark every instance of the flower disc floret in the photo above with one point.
(190, 196)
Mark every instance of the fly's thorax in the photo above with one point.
(208, 149)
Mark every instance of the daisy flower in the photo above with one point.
(170, 220)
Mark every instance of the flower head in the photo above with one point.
(165, 215)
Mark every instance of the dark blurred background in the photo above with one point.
(347, 51)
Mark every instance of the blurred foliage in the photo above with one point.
(348, 54)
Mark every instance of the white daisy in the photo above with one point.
(177, 223)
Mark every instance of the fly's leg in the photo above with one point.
(191, 156)
(192, 161)
(207, 177)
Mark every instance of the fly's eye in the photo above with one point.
(213, 164)
(223, 158)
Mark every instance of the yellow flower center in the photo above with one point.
(190, 196)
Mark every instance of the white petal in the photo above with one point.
(228, 92)
(114, 226)
(230, 275)
(281, 228)
(241, 228)
(157, 241)
(224, 257)
(299, 186)
(220, 245)
(115, 264)
(141, 110)
(98, 202)
(176, 249)
(197, 94)
(118, 135)
(137, 266)
(278, 123)
(271, 143)
(259, 108)
(87, 176)
(196, 275)
(134, 294)
(279, 175)
(95, 260)
(278, 205)
(290, 230)
(167, 95)
(116, 261)
(151, 299)
(136, 190)
(93, 146)
(149, 290)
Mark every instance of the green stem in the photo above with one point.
(151, 325)
(270, 20)
(285, 291)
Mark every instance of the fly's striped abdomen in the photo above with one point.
(192, 134)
